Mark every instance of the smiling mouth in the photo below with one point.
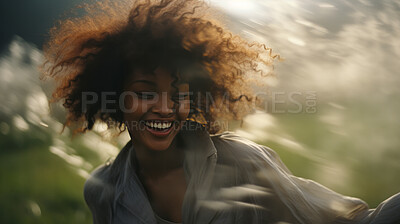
(159, 125)
(160, 129)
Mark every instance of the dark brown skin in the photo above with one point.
(166, 190)
(159, 159)
(162, 176)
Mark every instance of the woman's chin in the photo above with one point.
(160, 141)
(159, 146)
(155, 140)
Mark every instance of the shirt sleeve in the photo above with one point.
(311, 202)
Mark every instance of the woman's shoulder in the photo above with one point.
(98, 194)
(97, 185)
(99, 176)
(100, 185)
(233, 146)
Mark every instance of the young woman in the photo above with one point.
(168, 73)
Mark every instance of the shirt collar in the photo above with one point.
(198, 146)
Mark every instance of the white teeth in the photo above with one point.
(159, 125)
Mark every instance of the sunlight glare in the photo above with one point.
(236, 7)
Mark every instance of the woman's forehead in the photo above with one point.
(160, 74)
(151, 73)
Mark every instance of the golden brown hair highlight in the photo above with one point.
(96, 52)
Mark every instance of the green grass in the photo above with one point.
(35, 176)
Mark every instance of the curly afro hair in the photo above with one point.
(95, 53)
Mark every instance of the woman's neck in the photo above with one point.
(152, 163)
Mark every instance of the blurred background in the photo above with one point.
(332, 112)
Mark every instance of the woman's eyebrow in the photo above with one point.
(144, 81)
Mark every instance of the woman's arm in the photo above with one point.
(318, 204)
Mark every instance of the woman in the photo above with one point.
(169, 73)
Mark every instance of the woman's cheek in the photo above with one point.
(130, 104)
(184, 109)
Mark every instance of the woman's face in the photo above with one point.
(155, 108)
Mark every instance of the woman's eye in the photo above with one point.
(146, 95)
(180, 96)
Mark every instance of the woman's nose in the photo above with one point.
(164, 105)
